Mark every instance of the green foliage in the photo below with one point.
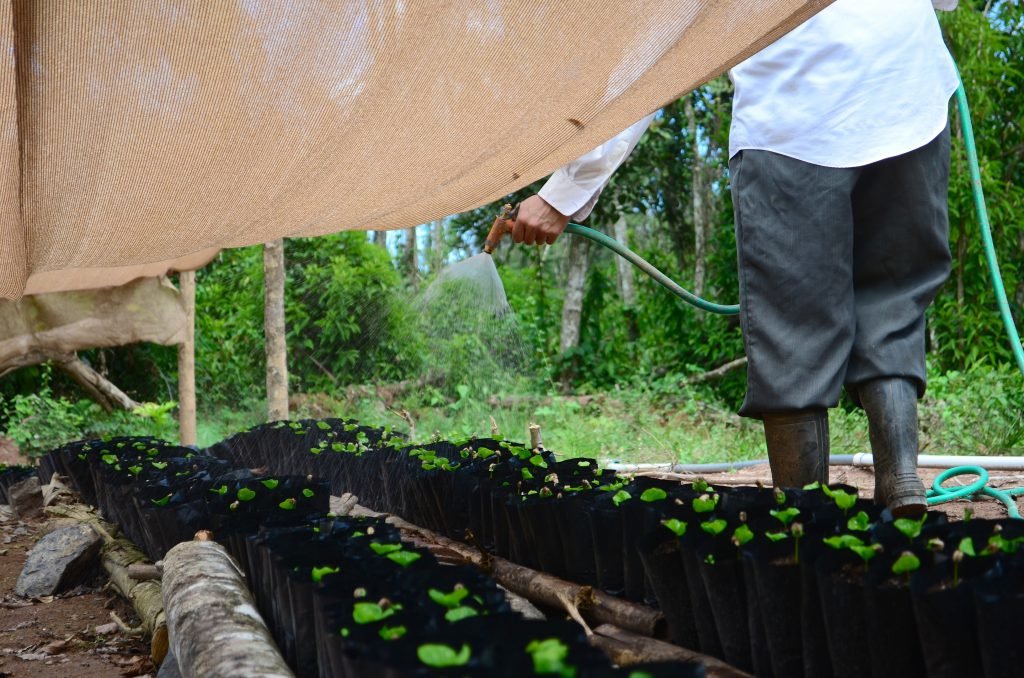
(41, 421)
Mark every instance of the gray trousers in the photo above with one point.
(836, 269)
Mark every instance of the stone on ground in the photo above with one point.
(26, 498)
(58, 561)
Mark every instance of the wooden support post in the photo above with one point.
(187, 361)
(274, 330)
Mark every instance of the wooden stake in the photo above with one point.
(535, 441)
(187, 361)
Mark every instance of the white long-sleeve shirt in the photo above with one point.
(861, 81)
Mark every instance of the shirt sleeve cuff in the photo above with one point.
(564, 194)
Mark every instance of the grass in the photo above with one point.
(976, 412)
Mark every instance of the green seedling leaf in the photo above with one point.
(159, 465)
(741, 535)
(161, 502)
(620, 497)
(906, 563)
(449, 600)
(404, 558)
(441, 656)
(391, 632)
(653, 494)
(307, 493)
(109, 459)
(908, 526)
(701, 485)
(270, 483)
(460, 613)
(640, 674)
(383, 549)
(843, 541)
(785, 516)
(549, 657)
(844, 500)
(135, 469)
(780, 496)
(967, 547)
(865, 553)
(323, 426)
(222, 490)
(705, 503)
(776, 536)
(859, 523)
(319, 573)
(714, 527)
(677, 526)
(538, 461)
(525, 473)
(344, 632)
(368, 613)
(287, 504)
(245, 494)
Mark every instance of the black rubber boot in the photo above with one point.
(891, 406)
(797, 447)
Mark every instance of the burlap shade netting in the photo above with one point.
(136, 133)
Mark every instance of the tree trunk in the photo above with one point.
(274, 331)
(572, 308)
(95, 384)
(699, 212)
(187, 362)
(211, 615)
(627, 286)
(117, 556)
(439, 249)
(380, 239)
(412, 261)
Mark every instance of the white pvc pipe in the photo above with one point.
(859, 459)
(939, 461)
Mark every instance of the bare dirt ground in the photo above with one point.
(57, 636)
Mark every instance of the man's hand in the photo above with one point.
(538, 222)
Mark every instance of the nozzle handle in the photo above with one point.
(503, 224)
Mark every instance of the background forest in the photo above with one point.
(610, 364)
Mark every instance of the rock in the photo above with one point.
(58, 561)
(26, 498)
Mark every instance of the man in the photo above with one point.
(839, 159)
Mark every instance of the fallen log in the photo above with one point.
(117, 556)
(596, 607)
(215, 629)
(625, 649)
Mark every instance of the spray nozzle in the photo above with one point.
(502, 224)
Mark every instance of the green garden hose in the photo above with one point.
(979, 205)
(938, 494)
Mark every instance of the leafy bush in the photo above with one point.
(39, 422)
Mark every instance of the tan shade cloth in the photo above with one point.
(140, 132)
(43, 325)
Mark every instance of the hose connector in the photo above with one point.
(502, 225)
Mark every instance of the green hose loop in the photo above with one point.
(940, 494)
(648, 268)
